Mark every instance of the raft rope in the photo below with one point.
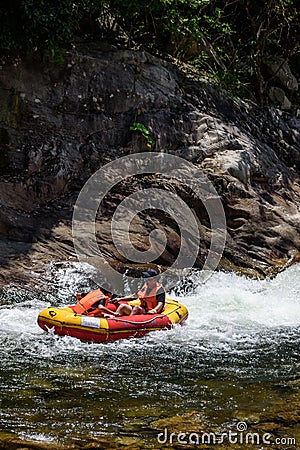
(161, 316)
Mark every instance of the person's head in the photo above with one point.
(150, 275)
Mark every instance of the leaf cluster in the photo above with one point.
(140, 128)
(228, 40)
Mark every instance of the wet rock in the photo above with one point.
(99, 443)
(9, 441)
(61, 123)
(129, 442)
(280, 420)
(187, 422)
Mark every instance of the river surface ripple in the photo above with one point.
(241, 339)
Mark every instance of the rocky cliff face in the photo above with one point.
(61, 122)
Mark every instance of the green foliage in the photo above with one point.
(228, 40)
(36, 24)
(140, 128)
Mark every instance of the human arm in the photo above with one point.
(125, 299)
(157, 309)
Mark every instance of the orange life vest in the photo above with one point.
(148, 296)
(88, 304)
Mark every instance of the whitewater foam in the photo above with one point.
(224, 311)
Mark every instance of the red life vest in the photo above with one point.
(88, 304)
(148, 296)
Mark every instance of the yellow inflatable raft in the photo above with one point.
(64, 322)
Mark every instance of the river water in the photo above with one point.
(240, 343)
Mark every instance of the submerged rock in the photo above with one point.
(9, 441)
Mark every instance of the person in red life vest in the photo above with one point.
(95, 303)
(152, 296)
